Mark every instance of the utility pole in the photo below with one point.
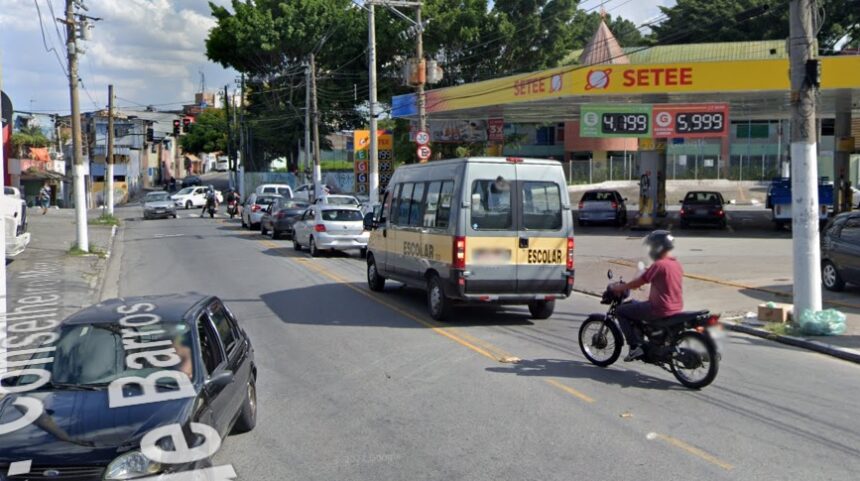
(80, 194)
(3, 115)
(316, 114)
(109, 154)
(241, 125)
(307, 163)
(230, 161)
(422, 71)
(804, 161)
(373, 181)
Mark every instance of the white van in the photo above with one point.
(283, 190)
(495, 230)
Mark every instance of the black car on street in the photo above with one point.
(191, 350)
(702, 207)
(279, 217)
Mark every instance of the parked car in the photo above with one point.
(222, 163)
(191, 180)
(189, 197)
(306, 192)
(253, 208)
(840, 251)
(280, 216)
(282, 190)
(13, 213)
(703, 207)
(158, 204)
(81, 436)
(342, 199)
(330, 227)
(602, 206)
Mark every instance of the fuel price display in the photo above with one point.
(619, 120)
(615, 123)
(691, 120)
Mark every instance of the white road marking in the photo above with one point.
(161, 236)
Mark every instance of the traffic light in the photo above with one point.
(186, 123)
(150, 134)
(176, 127)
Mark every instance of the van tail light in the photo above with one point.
(580, 205)
(319, 228)
(570, 245)
(459, 250)
(514, 160)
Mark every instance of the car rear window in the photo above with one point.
(284, 192)
(341, 201)
(265, 200)
(541, 206)
(491, 205)
(338, 215)
(598, 196)
(702, 198)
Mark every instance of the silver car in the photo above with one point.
(158, 204)
(603, 206)
(330, 227)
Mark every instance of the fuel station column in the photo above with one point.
(652, 183)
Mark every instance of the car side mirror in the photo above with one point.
(625, 199)
(369, 224)
(681, 201)
(218, 382)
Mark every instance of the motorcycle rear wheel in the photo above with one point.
(600, 341)
(693, 368)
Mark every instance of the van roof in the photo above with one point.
(482, 160)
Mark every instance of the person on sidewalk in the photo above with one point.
(45, 198)
(665, 299)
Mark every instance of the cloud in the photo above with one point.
(152, 51)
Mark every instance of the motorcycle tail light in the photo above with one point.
(570, 245)
(319, 228)
(714, 320)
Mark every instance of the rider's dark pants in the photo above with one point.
(628, 313)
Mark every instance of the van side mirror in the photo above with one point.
(369, 223)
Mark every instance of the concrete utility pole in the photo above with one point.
(230, 162)
(241, 156)
(422, 71)
(373, 181)
(109, 154)
(306, 167)
(3, 244)
(804, 162)
(318, 190)
(80, 194)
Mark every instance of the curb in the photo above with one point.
(845, 354)
(107, 263)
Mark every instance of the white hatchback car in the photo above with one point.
(330, 227)
(189, 197)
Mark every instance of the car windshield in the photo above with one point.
(98, 353)
(341, 215)
(186, 191)
(157, 197)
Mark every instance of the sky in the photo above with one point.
(153, 51)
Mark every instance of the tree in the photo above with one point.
(703, 21)
(31, 136)
(207, 134)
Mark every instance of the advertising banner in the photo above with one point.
(496, 130)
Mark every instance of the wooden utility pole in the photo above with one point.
(804, 161)
(109, 201)
(318, 191)
(83, 242)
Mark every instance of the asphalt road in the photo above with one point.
(355, 385)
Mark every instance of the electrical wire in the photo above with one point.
(45, 41)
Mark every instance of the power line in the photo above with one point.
(45, 40)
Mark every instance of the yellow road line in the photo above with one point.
(692, 450)
(573, 392)
(481, 347)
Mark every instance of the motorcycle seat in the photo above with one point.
(680, 318)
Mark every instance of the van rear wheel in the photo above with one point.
(541, 309)
(438, 304)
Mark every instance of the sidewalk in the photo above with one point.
(46, 270)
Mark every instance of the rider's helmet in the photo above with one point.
(659, 242)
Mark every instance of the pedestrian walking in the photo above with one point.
(45, 198)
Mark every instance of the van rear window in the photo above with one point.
(541, 206)
(491, 205)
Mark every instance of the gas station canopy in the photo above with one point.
(752, 88)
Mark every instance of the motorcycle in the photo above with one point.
(682, 344)
(212, 210)
(233, 208)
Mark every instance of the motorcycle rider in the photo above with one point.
(665, 299)
(231, 197)
(211, 199)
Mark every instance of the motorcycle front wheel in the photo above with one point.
(696, 361)
(600, 340)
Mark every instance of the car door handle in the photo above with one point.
(524, 242)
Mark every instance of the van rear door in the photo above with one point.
(544, 227)
(491, 231)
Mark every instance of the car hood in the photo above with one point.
(78, 427)
(160, 203)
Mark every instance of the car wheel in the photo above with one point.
(312, 248)
(173, 215)
(188, 204)
(248, 415)
(374, 280)
(296, 244)
(275, 234)
(437, 303)
(581, 223)
(541, 309)
(363, 252)
(685, 224)
(724, 224)
(830, 277)
(263, 230)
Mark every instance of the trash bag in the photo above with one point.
(828, 322)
